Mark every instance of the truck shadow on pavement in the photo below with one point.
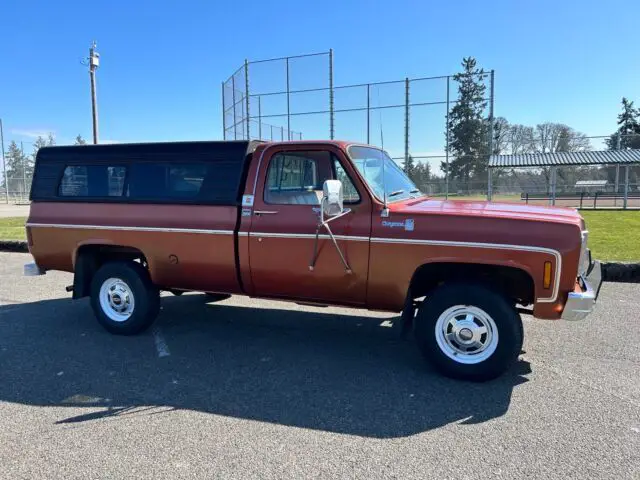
(337, 373)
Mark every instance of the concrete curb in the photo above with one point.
(611, 271)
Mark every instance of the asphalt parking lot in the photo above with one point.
(259, 389)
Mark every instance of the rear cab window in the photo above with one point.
(165, 181)
(92, 181)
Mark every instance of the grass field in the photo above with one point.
(12, 228)
(613, 235)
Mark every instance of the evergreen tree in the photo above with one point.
(420, 174)
(467, 127)
(80, 141)
(409, 166)
(629, 128)
(17, 168)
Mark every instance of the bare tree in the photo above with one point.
(521, 139)
(557, 137)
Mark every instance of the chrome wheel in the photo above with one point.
(116, 299)
(466, 334)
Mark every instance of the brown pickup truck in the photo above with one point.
(322, 223)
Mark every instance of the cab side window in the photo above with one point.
(296, 178)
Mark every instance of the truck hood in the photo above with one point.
(488, 209)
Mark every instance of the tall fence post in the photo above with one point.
(626, 186)
(4, 164)
(331, 110)
(281, 133)
(259, 118)
(233, 99)
(288, 103)
(368, 114)
(406, 124)
(491, 133)
(246, 96)
(24, 171)
(446, 150)
(224, 114)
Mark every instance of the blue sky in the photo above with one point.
(162, 62)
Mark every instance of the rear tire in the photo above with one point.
(469, 332)
(123, 298)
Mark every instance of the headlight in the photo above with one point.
(585, 256)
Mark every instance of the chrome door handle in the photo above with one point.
(265, 212)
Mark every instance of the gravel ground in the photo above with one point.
(260, 389)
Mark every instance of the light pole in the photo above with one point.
(94, 62)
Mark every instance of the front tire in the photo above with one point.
(469, 332)
(123, 298)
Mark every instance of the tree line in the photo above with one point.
(471, 138)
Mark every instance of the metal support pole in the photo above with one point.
(246, 96)
(271, 126)
(368, 113)
(626, 186)
(242, 117)
(94, 61)
(24, 170)
(233, 99)
(259, 118)
(224, 114)
(288, 104)
(331, 110)
(617, 185)
(446, 151)
(491, 131)
(406, 124)
(282, 134)
(553, 185)
(4, 164)
(489, 185)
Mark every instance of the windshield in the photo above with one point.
(369, 162)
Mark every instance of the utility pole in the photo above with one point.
(94, 62)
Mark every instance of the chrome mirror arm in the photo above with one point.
(325, 223)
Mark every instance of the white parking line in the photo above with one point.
(161, 345)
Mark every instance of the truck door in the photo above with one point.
(283, 228)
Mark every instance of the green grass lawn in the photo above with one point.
(613, 235)
(12, 228)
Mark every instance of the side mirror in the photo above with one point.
(332, 198)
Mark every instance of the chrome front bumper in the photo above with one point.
(580, 304)
(33, 270)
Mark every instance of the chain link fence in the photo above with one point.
(17, 171)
